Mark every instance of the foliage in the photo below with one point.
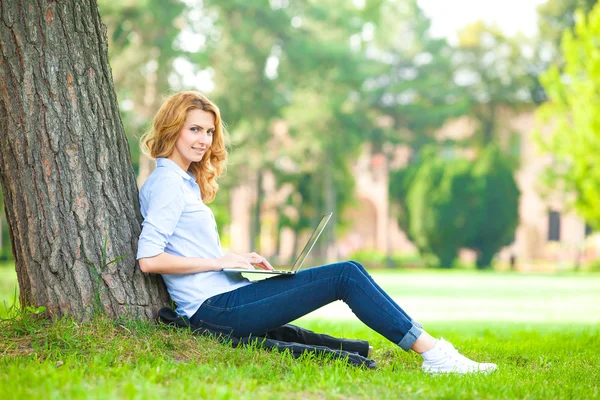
(410, 84)
(555, 17)
(443, 203)
(493, 71)
(142, 37)
(489, 74)
(5, 247)
(379, 259)
(263, 69)
(315, 160)
(499, 196)
(455, 203)
(572, 113)
(401, 181)
(381, 79)
(369, 258)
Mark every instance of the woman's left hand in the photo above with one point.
(258, 261)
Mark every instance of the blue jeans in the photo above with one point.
(267, 304)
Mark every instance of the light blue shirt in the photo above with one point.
(177, 222)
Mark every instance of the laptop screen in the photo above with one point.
(311, 241)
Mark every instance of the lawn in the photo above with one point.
(547, 347)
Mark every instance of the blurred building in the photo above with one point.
(548, 233)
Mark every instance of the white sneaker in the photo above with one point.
(444, 358)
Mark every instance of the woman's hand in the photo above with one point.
(257, 260)
(233, 261)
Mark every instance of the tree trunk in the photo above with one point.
(490, 125)
(257, 215)
(295, 250)
(69, 187)
(329, 250)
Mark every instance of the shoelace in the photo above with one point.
(451, 351)
(454, 355)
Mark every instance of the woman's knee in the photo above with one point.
(357, 265)
(354, 268)
(350, 269)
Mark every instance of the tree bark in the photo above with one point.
(69, 187)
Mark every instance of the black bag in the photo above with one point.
(287, 337)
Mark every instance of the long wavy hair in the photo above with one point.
(159, 140)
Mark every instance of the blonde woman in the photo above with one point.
(180, 241)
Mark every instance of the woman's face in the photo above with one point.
(195, 137)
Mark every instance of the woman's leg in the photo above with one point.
(383, 292)
(425, 341)
(267, 304)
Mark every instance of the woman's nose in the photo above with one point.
(204, 139)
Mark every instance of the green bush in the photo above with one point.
(369, 258)
(443, 202)
(5, 250)
(378, 259)
(499, 213)
(457, 203)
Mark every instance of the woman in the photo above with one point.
(180, 241)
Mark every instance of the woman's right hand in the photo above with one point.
(233, 261)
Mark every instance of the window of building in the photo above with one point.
(588, 230)
(554, 226)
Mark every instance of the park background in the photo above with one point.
(395, 95)
(440, 155)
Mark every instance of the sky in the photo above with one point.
(511, 16)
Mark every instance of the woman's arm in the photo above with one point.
(165, 263)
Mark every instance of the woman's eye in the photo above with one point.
(210, 133)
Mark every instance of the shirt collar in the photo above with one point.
(172, 165)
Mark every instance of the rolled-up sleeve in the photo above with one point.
(162, 205)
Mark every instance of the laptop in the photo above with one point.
(301, 257)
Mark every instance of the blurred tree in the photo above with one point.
(245, 52)
(324, 139)
(494, 72)
(401, 181)
(142, 49)
(4, 247)
(264, 56)
(308, 200)
(327, 116)
(410, 89)
(499, 201)
(443, 203)
(572, 112)
(154, 49)
(454, 203)
(554, 18)
(411, 76)
(557, 16)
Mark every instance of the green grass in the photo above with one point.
(542, 359)
(487, 296)
(8, 287)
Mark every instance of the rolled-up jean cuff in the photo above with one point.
(409, 339)
(417, 324)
